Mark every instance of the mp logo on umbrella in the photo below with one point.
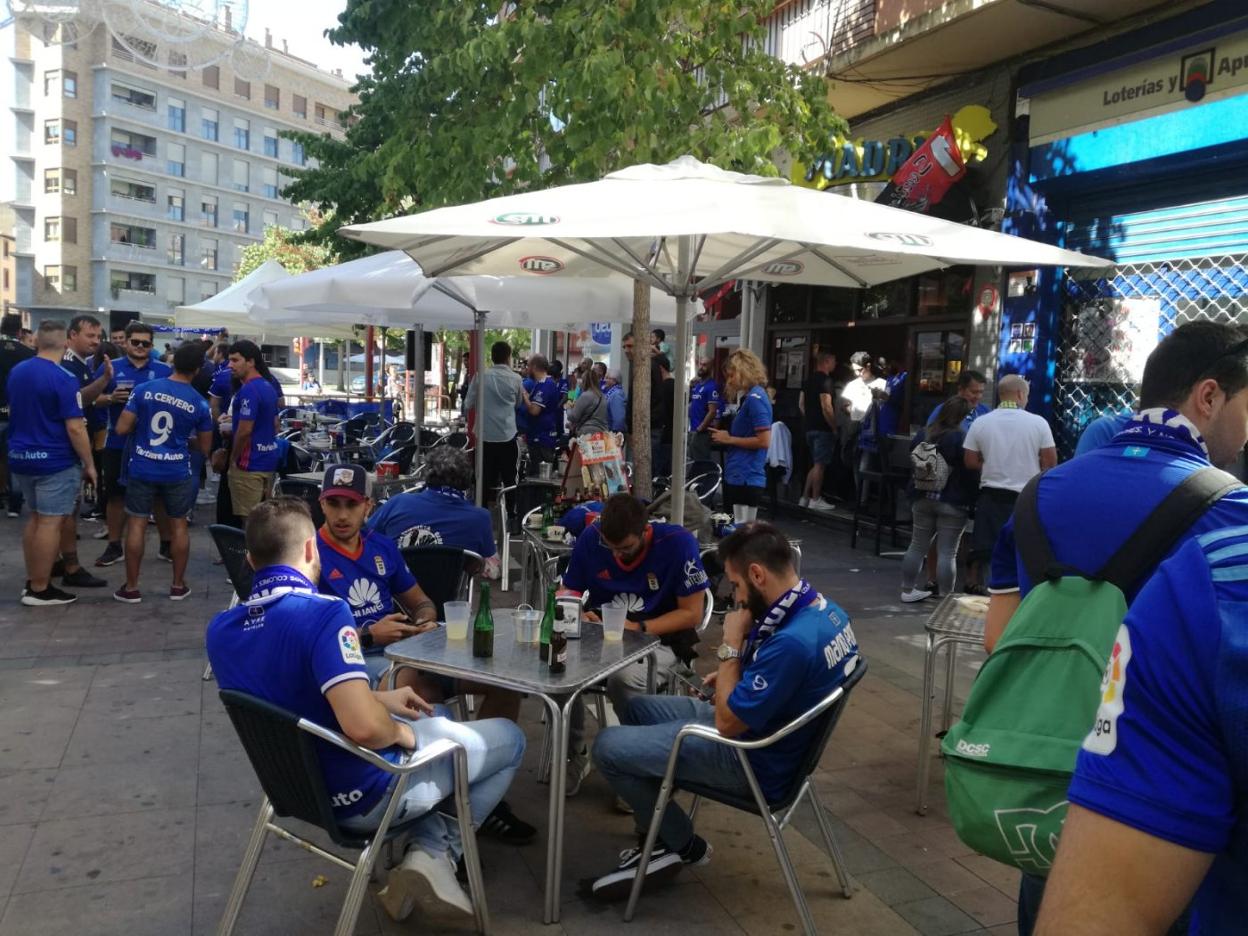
(525, 218)
(784, 268)
(542, 265)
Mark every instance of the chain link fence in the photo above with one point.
(1112, 318)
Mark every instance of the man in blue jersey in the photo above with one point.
(971, 385)
(82, 341)
(1193, 413)
(544, 414)
(441, 514)
(1157, 812)
(703, 408)
(253, 450)
(300, 650)
(12, 353)
(784, 651)
(136, 368)
(165, 417)
(617, 402)
(49, 455)
(655, 572)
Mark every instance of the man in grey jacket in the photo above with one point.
(496, 426)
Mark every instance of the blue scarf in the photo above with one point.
(791, 602)
(449, 492)
(1166, 424)
(276, 580)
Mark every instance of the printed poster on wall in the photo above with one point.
(1116, 337)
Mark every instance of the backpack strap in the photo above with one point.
(1029, 536)
(1165, 526)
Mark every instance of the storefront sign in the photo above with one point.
(862, 160)
(1200, 73)
(600, 332)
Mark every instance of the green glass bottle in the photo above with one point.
(548, 624)
(548, 513)
(483, 625)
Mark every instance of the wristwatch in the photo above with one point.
(366, 638)
(725, 653)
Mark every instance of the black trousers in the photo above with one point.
(744, 494)
(500, 466)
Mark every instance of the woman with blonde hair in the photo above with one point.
(745, 467)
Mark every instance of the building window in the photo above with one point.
(133, 235)
(242, 133)
(270, 142)
(241, 214)
(52, 277)
(209, 163)
(177, 64)
(51, 229)
(242, 175)
(207, 289)
(212, 77)
(269, 187)
(69, 87)
(175, 289)
(134, 282)
(270, 219)
(144, 100)
(177, 115)
(69, 279)
(176, 165)
(129, 145)
(299, 105)
(62, 181)
(51, 131)
(296, 153)
(136, 191)
(208, 211)
(242, 88)
(176, 205)
(51, 82)
(208, 253)
(64, 230)
(272, 97)
(51, 181)
(208, 123)
(177, 249)
(69, 181)
(69, 132)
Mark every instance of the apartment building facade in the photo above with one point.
(135, 188)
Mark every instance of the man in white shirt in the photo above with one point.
(1009, 447)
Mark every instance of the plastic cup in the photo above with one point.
(613, 622)
(457, 613)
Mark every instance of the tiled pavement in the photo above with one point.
(125, 799)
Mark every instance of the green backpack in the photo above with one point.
(1009, 761)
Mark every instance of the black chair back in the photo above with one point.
(457, 440)
(526, 496)
(360, 424)
(704, 478)
(428, 438)
(443, 572)
(403, 457)
(307, 491)
(232, 546)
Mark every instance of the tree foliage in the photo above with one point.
(468, 101)
(282, 245)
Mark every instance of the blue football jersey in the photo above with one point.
(701, 395)
(125, 371)
(544, 427)
(668, 567)
(435, 517)
(290, 647)
(44, 395)
(749, 466)
(366, 581)
(222, 386)
(168, 415)
(256, 401)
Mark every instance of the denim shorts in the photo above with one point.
(178, 496)
(52, 495)
(822, 446)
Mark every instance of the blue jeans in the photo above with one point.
(633, 757)
(945, 522)
(495, 747)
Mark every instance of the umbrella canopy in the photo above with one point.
(228, 309)
(688, 226)
(389, 290)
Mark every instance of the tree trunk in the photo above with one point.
(640, 395)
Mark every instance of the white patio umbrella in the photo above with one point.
(228, 309)
(390, 290)
(688, 226)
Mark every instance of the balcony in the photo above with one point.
(133, 253)
(804, 31)
(139, 207)
(128, 111)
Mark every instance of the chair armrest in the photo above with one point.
(707, 733)
(414, 761)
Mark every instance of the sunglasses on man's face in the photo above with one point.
(140, 343)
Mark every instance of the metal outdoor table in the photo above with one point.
(518, 667)
(538, 550)
(951, 624)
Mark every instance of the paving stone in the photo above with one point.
(152, 906)
(23, 794)
(13, 844)
(105, 739)
(143, 783)
(936, 916)
(895, 885)
(987, 905)
(35, 734)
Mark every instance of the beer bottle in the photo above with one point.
(483, 625)
(548, 514)
(548, 624)
(558, 649)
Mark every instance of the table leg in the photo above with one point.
(554, 828)
(651, 678)
(951, 661)
(925, 722)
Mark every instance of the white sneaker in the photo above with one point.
(425, 879)
(578, 770)
(803, 502)
(819, 503)
(915, 594)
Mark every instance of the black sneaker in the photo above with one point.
(165, 552)
(81, 578)
(49, 596)
(933, 588)
(112, 555)
(664, 865)
(504, 825)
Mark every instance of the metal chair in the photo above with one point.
(705, 479)
(403, 455)
(445, 573)
(231, 545)
(681, 673)
(776, 814)
(307, 491)
(284, 752)
(514, 503)
(889, 477)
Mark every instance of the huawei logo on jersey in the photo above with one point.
(364, 595)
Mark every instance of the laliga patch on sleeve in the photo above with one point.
(349, 645)
(1103, 738)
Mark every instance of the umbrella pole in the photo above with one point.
(479, 340)
(418, 390)
(680, 415)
